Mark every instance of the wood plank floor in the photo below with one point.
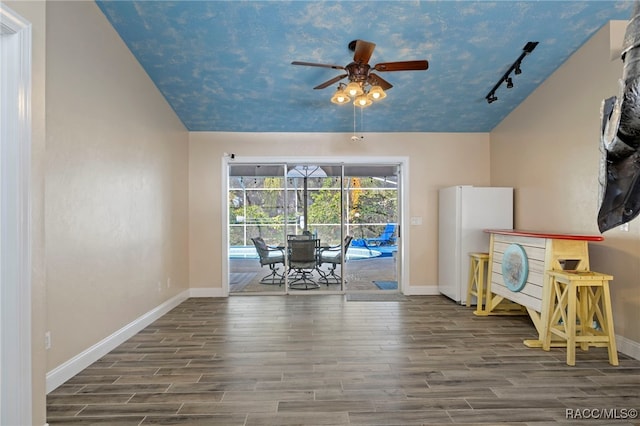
(323, 360)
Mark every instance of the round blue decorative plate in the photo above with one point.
(515, 267)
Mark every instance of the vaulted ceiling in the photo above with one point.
(226, 65)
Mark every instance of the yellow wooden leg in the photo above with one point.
(553, 313)
(571, 324)
(471, 282)
(482, 303)
(477, 285)
(555, 322)
(584, 319)
(608, 324)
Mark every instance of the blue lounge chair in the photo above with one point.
(386, 238)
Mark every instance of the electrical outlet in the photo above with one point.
(47, 340)
(624, 227)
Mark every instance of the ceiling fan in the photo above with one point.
(360, 72)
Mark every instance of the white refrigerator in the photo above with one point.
(464, 213)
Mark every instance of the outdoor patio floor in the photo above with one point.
(245, 275)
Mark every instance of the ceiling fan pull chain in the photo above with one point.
(354, 119)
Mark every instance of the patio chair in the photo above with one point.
(272, 257)
(302, 263)
(303, 236)
(387, 236)
(333, 256)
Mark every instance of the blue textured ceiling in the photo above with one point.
(226, 65)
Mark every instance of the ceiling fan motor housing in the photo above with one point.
(358, 72)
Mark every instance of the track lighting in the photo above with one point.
(515, 68)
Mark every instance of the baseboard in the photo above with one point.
(422, 290)
(75, 365)
(628, 347)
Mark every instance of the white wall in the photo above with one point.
(436, 160)
(116, 179)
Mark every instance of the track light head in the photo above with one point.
(509, 83)
(491, 98)
(517, 69)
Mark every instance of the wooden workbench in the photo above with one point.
(518, 261)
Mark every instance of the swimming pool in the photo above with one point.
(249, 252)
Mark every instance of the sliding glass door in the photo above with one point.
(348, 213)
(259, 218)
(372, 203)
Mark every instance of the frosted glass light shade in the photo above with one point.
(362, 101)
(353, 89)
(376, 93)
(340, 97)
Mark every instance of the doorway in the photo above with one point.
(349, 213)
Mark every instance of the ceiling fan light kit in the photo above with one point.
(515, 68)
(364, 86)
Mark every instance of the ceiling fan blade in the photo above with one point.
(312, 64)
(330, 82)
(402, 66)
(363, 52)
(376, 80)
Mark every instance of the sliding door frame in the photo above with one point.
(403, 204)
